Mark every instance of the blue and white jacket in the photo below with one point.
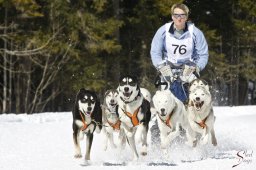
(197, 52)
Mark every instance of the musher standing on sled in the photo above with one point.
(180, 43)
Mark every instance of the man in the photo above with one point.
(180, 43)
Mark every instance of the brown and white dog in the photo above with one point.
(134, 112)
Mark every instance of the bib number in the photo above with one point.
(180, 48)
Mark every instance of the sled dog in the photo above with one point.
(200, 115)
(170, 113)
(134, 112)
(87, 118)
(199, 83)
(110, 119)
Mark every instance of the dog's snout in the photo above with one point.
(89, 108)
(126, 89)
(162, 110)
(112, 101)
(197, 98)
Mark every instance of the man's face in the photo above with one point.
(179, 18)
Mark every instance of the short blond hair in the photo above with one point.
(180, 6)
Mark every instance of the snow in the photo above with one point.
(44, 142)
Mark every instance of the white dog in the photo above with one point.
(170, 115)
(200, 115)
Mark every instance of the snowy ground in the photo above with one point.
(44, 142)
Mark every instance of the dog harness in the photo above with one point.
(115, 126)
(167, 121)
(133, 117)
(85, 125)
(202, 123)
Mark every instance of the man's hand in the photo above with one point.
(166, 71)
(188, 75)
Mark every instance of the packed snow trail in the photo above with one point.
(44, 141)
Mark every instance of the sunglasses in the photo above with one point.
(179, 15)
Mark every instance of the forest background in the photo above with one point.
(49, 49)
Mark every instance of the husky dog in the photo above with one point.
(200, 115)
(170, 113)
(87, 118)
(199, 82)
(134, 112)
(110, 119)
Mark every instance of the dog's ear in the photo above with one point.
(106, 93)
(82, 90)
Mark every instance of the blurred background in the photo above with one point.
(49, 49)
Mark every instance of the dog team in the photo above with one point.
(127, 111)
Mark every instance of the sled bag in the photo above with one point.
(179, 90)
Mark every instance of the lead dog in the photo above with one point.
(110, 119)
(200, 115)
(87, 118)
(134, 112)
(170, 114)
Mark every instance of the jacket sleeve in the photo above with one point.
(157, 47)
(200, 53)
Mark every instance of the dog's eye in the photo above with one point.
(203, 94)
(83, 100)
(124, 80)
(201, 84)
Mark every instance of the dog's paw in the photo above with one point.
(98, 130)
(129, 134)
(144, 151)
(78, 155)
(105, 147)
(113, 146)
(204, 140)
(164, 144)
(189, 143)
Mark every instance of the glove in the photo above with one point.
(166, 71)
(187, 75)
(188, 70)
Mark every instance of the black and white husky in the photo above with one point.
(110, 119)
(134, 112)
(87, 118)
